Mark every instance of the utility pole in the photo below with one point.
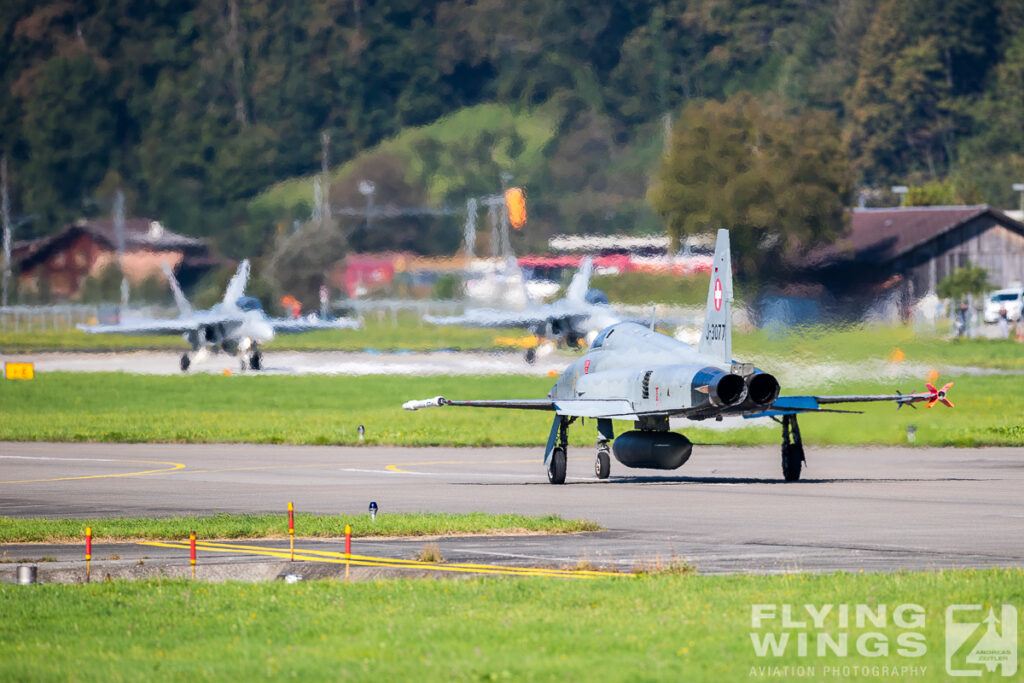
(5, 217)
(119, 236)
(470, 231)
(325, 190)
(367, 188)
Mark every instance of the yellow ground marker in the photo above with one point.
(369, 561)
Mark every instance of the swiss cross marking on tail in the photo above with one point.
(718, 294)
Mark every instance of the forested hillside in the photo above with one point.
(195, 108)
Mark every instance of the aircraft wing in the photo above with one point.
(790, 405)
(156, 326)
(492, 317)
(310, 323)
(610, 408)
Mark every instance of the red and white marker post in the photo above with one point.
(291, 529)
(348, 548)
(192, 552)
(88, 552)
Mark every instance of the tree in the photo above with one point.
(303, 259)
(970, 279)
(778, 181)
(948, 192)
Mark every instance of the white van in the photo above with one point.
(1010, 299)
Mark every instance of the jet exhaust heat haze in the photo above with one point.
(635, 374)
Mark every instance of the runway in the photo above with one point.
(301, 363)
(725, 511)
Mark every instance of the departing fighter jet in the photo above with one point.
(582, 312)
(633, 373)
(236, 325)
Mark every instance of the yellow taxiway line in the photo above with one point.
(174, 466)
(368, 561)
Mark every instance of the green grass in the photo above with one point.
(534, 128)
(22, 530)
(643, 288)
(380, 333)
(851, 343)
(811, 344)
(325, 410)
(667, 627)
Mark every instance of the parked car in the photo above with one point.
(1010, 299)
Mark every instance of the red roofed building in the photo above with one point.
(918, 246)
(84, 248)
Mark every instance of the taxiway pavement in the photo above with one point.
(726, 510)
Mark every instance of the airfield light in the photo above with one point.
(911, 433)
(362, 431)
(373, 511)
(902, 191)
(515, 200)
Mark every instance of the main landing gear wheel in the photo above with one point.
(603, 463)
(531, 355)
(185, 362)
(256, 361)
(556, 466)
(792, 451)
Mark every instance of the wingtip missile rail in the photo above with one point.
(425, 403)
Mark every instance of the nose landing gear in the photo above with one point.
(603, 462)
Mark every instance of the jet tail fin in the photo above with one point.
(184, 307)
(236, 287)
(580, 284)
(716, 340)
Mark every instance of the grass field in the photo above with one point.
(19, 530)
(875, 342)
(328, 410)
(807, 344)
(381, 333)
(694, 628)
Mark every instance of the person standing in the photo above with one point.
(960, 321)
(1002, 324)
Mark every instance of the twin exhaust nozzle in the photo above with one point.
(757, 388)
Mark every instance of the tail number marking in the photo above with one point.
(715, 332)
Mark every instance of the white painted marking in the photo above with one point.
(436, 474)
(43, 457)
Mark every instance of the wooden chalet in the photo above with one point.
(84, 248)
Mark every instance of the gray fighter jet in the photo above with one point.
(635, 374)
(237, 325)
(570, 320)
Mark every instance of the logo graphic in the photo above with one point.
(977, 642)
(718, 294)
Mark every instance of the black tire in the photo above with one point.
(602, 464)
(556, 467)
(185, 362)
(256, 361)
(531, 355)
(792, 461)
